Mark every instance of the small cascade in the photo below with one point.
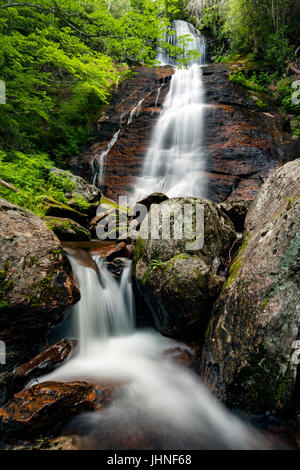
(176, 158)
(157, 98)
(105, 308)
(160, 400)
(135, 112)
(99, 163)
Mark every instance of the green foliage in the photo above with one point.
(278, 87)
(60, 61)
(251, 83)
(277, 51)
(29, 174)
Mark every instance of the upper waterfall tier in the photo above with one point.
(196, 42)
(176, 158)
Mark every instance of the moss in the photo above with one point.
(146, 275)
(52, 208)
(291, 202)
(273, 391)
(265, 303)
(170, 264)
(109, 202)
(5, 286)
(139, 249)
(207, 331)
(67, 229)
(235, 268)
(43, 290)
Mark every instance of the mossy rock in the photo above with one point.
(67, 229)
(53, 208)
(176, 276)
(251, 352)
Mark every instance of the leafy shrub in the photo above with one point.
(30, 175)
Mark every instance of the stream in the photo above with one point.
(159, 403)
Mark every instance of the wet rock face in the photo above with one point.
(44, 363)
(43, 407)
(245, 144)
(36, 282)
(125, 159)
(178, 282)
(252, 348)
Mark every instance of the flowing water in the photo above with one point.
(161, 403)
(176, 159)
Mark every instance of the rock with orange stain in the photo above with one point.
(245, 143)
(45, 362)
(43, 407)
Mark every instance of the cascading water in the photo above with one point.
(99, 163)
(161, 402)
(176, 159)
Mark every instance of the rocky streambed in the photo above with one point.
(234, 301)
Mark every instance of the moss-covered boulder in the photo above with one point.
(179, 279)
(53, 208)
(112, 221)
(251, 354)
(67, 229)
(77, 186)
(36, 281)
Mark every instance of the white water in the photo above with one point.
(160, 398)
(135, 112)
(176, 159)
(99, 163)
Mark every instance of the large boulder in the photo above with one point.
(36, 281)
(251, 354)
(53, 208)
(67, 229)
(178, 278)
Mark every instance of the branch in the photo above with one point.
(293, 69)
(9, 186)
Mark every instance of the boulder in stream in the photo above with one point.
(44, 363)
(252, 347)
(43, 407)
(179, 281)
(36, 281)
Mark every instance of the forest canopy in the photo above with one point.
(60, 59)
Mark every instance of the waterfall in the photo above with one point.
(99, 163)
(160, 400)
(105, 308)
(176, 158)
